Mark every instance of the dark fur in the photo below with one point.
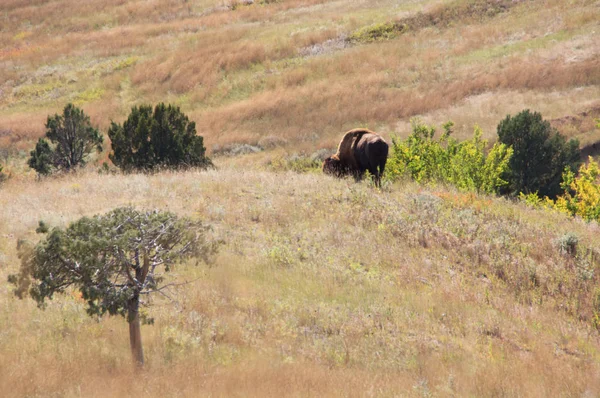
(369, 152)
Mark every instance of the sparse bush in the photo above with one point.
(72, 138)
(567, 244)
(532, 199)
(540, 155)
(463, 164)
(150, 139)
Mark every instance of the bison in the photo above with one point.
(358, 151)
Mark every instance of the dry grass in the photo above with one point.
(422, 291)
(242, 73)
(323, 287)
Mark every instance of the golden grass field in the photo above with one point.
(280, 71)
(322, 287)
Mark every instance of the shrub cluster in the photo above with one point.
(530, 160)
(148, 139)
(463, 164)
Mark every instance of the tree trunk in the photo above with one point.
(135, 331)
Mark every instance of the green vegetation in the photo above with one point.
(581, 196)
(42, 158)
(379, 31)
(464, 11)
(89, 95)
(540, 155)
(71, 139)
(582, 192)
(463, 164)
(126, 63)
(151, 139)
(113, 260)
(35, 91)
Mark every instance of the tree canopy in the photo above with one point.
(540, 154)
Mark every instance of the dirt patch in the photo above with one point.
(327, 47)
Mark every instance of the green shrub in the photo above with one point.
(163, 137)
(582, 192)
(540, 155)
(581, 197)
(70, 138)
(567, 244)
(379, 31)
(463, 164)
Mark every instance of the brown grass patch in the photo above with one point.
(241, 80)
(423, 290)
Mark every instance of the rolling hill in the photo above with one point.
(322, 287)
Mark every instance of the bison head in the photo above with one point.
(332, 165)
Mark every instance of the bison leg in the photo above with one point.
(358, 175)
(380, 171)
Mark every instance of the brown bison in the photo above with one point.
(358, 151)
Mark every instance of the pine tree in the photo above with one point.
(163, 137)
(70, 138)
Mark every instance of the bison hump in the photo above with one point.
(347, 145)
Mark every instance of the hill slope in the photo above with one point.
(322, 287)
(286, 72)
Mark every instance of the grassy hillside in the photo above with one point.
(322, 287)
(297, 73)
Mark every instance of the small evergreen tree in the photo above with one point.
(71, 139)
(540, 154)
(163, 137)
(114, 260)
